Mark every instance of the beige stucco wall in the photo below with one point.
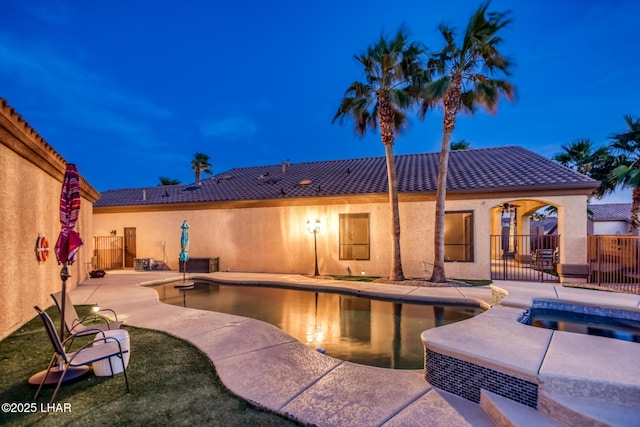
(267, 239)
(272, 236)
(31, 179)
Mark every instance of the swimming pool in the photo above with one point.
(361, 330)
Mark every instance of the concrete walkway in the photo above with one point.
(262, 364)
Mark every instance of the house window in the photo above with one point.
(458, 236)
(354, 236)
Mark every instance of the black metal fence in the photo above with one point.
(525, 257)
(109, 252)
(614, 262)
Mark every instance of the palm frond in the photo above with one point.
(433, 94)
(627, 143)
(627, 176)
(390, 64)
(473, 63)
(400, 122)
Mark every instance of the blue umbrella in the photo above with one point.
(184, 248)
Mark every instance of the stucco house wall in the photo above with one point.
(271, 236)
(31, 180)
(611, 227)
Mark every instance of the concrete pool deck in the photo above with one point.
(262, 364)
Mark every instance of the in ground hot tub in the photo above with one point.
(561, 315)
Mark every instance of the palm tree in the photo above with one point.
(465, 83)
(393, 73)
(584, 158)
(200, 164)
(627, 174)
(459, 145)
(168, 181)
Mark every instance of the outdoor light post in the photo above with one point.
(315, 229)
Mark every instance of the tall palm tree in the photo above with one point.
(168, 181)
(466, 81)
(200, 164)
(584, 158)
(393, 73)
(627, 174)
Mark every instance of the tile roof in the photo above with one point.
(611, 212)
(493, 169)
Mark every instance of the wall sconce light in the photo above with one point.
(113, 232)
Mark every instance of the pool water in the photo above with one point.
(586, 324)
(567, 316)
(352, 328)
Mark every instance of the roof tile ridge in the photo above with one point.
(17, 119)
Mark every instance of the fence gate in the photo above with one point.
(109, 252)
(525, 257)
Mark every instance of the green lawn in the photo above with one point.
(475, 282)
(172, 383)
(356, 278)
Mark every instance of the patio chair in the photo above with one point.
(84, 356)
(75, 326)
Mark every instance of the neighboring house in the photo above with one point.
(254, 219)
(547, 226)
(32, 173)
(613, 218)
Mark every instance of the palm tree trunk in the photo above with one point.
(451, 105)
(385, 117)
(635, 210)
(396, 259)
(438, 275)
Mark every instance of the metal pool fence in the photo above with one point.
(614, 262)
(525, 257)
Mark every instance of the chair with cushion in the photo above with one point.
(75, 326)
(87, 354)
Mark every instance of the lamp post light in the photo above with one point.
(315, 229)
(96, 309)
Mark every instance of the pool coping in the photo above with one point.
(263, 365)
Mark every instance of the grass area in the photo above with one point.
(355, 278)
(372, 278)
(475, 282)
(171, 381)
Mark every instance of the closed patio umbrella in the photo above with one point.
(65, 249)
(184, 248)
(68, 240)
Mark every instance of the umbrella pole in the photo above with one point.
(71, 373)
(64, 275)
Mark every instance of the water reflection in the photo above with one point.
(615, 329)
(360, 330)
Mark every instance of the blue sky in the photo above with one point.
(130, 91)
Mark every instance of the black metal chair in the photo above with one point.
(84, 356)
